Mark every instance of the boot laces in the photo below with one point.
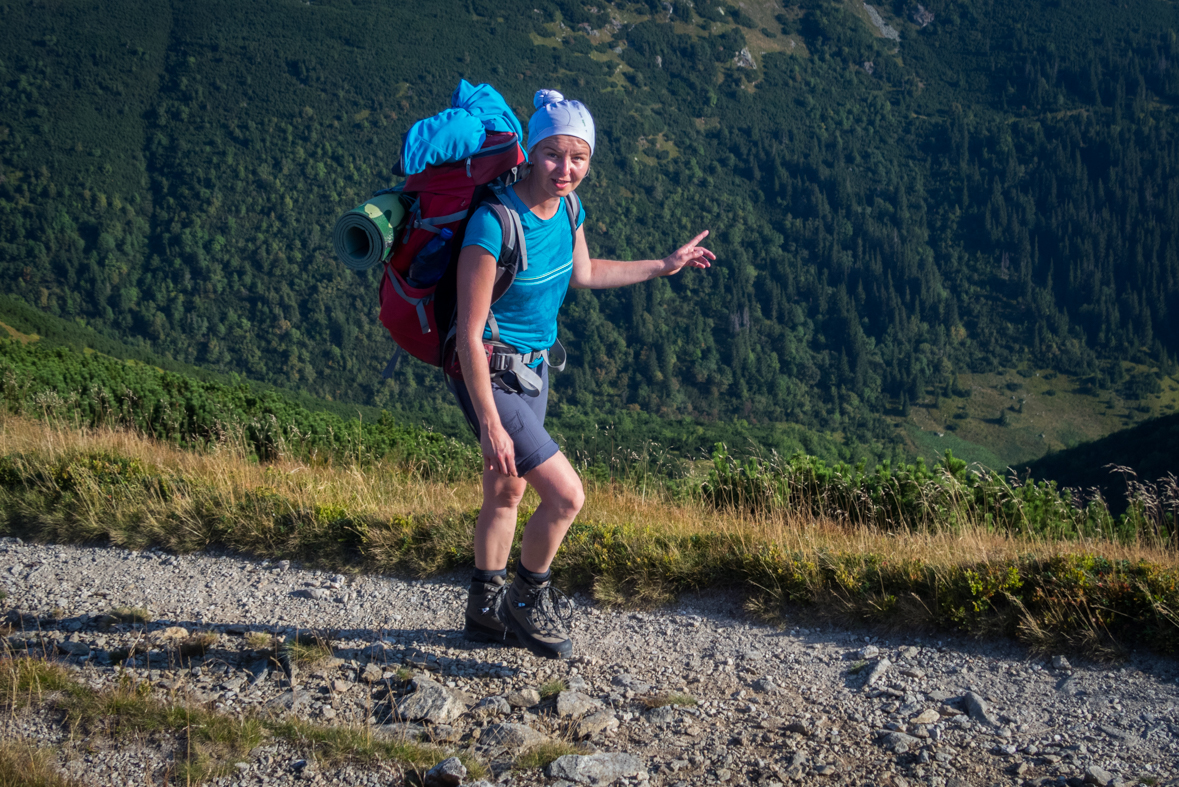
(493, 598)
(550, 610)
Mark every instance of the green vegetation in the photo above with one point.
(551, 688)
(60, 377)
(96, 390)
(541, 755)
(130, 615)
(196, 645)
(947, 496)
(991, 191)
(308, 648)
(25, 681)
(261, 641)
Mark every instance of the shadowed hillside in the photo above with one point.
(1149, 452)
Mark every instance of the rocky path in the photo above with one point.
(773, 707)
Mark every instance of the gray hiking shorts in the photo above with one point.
(522, 416)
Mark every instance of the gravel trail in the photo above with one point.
(774, 706)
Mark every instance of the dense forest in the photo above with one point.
(967, 187)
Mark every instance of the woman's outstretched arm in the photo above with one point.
(601, 274)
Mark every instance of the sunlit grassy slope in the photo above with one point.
(1015, 418)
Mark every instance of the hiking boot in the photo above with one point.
(483, 624)
(539, 614)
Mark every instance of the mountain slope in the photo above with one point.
(995, 190)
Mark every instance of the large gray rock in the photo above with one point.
(662, 715)
(431, 702)
(511, 736)
(628, 681)
(765, 685)
(73, 648)
(595, 723)
(293, 700)
(259, 671)
(595, 769)
(493, 706)
(448, 773)
(1098, 776)
(574, 703)
(899, 742)
(524, 698)
(927, 716)
(979, 710)
(877, 672)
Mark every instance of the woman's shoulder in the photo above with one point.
(483, 229)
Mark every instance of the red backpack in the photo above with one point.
(442, 197)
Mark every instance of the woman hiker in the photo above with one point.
(509, 416)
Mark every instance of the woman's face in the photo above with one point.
(559, 163)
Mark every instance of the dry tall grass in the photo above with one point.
(24, 765)
(392, 492)
(630, 546)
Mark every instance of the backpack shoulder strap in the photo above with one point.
(513, 256)
(509, 221)
(573, 208)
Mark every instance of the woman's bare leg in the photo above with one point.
(561, 497)
(496, 526)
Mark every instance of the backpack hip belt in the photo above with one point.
(502, 358)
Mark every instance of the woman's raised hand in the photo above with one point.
(689, 255)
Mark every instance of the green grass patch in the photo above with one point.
(131, 615)
(213, 741)
(541, 755)
(856, 668)
(22, 765)
(196, 645)
(551, 689)
(259, 640)
(344, 742)
(25, 681)
(308, 648)
(666, 698)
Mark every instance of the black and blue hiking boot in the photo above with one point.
(483, 624)
(539, 615)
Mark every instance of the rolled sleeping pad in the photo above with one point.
(364, 235)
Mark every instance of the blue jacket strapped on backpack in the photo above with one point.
(457, 133)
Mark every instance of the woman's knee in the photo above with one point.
(568, 497)
(505, 491)
(559, 487)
